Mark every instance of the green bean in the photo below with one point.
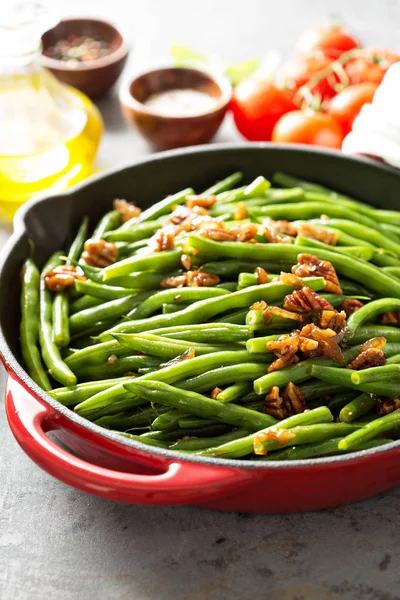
(318, 449)
(192, 422)
(95, 354)
(130, 420)
(232, 268)
(225, 184)
(373, 374)
(363, 232)
(350, 267)
(60, 315)
(110, 221)
(82, 391)
(237, 317)
(104, 398)
(83, 303)
(249, 279)
(113, 309)
(174, 435)
(102, 291)
(147, 441)
(134, 233)
(264, 442)
(162, 347)
(258, 344)
(340, 400)
(299, 372)
(315, 389)
(196, 404)
(206, 309)
(364, 252)
(208, 332)
(234, 392)
(356, 408)
(29, 328)
(193, 294)
(384, 259)
(244, 446)
(121, 366)
(168, 420)
(392, 271)
(168, 308)
(350, 288)
(50, 353)
(368, 312)
(222, 375)
(371, 430)
(144, 280)
(364, 333)
(343, 377)
(196, 444)
(163, 260)
(393, 230)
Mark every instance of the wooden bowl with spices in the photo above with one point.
(174, 107)
(88, 54)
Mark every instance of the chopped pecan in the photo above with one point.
(306, 300)
(311, 266)
(261, 305)
(99, 253)
(261, 275)
(62, 277)
(293, 399)
(278, 231)
(127, 210)
(275, 311)
(281, 436)
(186, 355)
(240, 212)
(163, 239)
(384, 406)
(215, 392)
(390, 318)
(376, 342)
(206, 201)
(218, 235)
(350, 306)
(273, 404)
(245, 233)
(373, 357)
(289, 279)
(186, 262)
(285, 349)
(191, 279)
(316, 233)
(327, 339)
(331, 319)
(283, 362)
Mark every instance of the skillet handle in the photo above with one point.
(169, 482)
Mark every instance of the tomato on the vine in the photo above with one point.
(346, 105)
(257, 104)
(308, 127)
(299, 70)
(331, 40)
(369, 64)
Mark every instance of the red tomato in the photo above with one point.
(346, 105)
(370, 65)
(256, 106)
(298, 71)
(308, 127)
(332, 40)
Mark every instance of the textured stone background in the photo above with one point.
(59, 543)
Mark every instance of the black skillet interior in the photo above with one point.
(50, 223)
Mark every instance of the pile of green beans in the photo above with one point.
(187, 368)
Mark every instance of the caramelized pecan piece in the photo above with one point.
(127, 210)
(317, 233)
(186, 262)
(99, 253)
(245, 233)
(191, 279)
(278, 231)
(327, 342)
(306, 300)
(240, 212)
(285, 349)
(373, 357)
(274, 311)
(62, 277)
(206, 201)
(261, 275)
(215, 392)
(289, 279)
(311, 266)
(390, 318)
(331, 319)
(350, 306)
(218, 235)
(293, 399)
(162, 240)
(273, 404)
(376, 342)
(384, 406)
(261, 305)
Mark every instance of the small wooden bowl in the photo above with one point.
(164, 132)
(96, 77)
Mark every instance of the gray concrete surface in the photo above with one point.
(58, 543)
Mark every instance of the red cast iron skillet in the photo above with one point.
(102, 463)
